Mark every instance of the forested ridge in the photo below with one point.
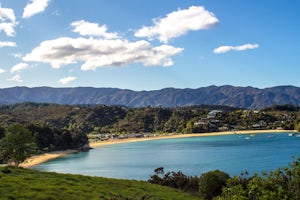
(78, 121)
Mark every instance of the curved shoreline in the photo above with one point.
(160, 137)
(38, 159)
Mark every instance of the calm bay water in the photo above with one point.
(231, 153)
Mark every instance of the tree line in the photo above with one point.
(19, 141)
(283, 183)
(102, 119)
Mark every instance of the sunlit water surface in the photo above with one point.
(137, 160)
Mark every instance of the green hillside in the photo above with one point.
(29, 184)
(64, 121)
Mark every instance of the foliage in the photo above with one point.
(45, 139)
(17, 144)
(211, 183)
(176, 180)
(2, 130)
(142, 120)
(284, 183)
(51, 139)
(75, 122)
(31, 184)
(297, 127)
(297, 122)
(121, 197)
(285, 107)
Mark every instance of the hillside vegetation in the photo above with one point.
(60, 122)
(283, 183)
(19, 183)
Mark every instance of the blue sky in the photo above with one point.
(149, 45)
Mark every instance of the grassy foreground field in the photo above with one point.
(18, 184)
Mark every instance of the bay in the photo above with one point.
(193, 156)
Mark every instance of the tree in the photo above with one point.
(283, 183)
(176, 180)
(2, 130)
(211, 183)
(297, 127)
(17, 144)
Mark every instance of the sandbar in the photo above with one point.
(38, 159)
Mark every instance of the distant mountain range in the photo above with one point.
(242, 97)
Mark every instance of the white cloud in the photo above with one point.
(7, 13)
(16, 78)
(35, 7)
(225, 49)
(95, 53)
(7, 44)
(67, 80)
(178, 23)
(85, 28)
(2, 71)
(19, 67)
(7, 21)
(8, 28)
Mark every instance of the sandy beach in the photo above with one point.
(118, 141)
(38, 159)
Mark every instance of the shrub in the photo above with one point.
(211, 183)
(176, 180)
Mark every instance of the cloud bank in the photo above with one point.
(34, 7)
(100, 52)
(96, 53)
(225, 49)
(2, 71)
(178, 23)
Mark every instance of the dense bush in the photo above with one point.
(211, 184)
(284, 183)
(2, 130)
(51, 139)
(17, 144)
(27, 139)
(176, 180)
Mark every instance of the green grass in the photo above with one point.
(18, 184)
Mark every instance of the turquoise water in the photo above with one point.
(231, 153)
